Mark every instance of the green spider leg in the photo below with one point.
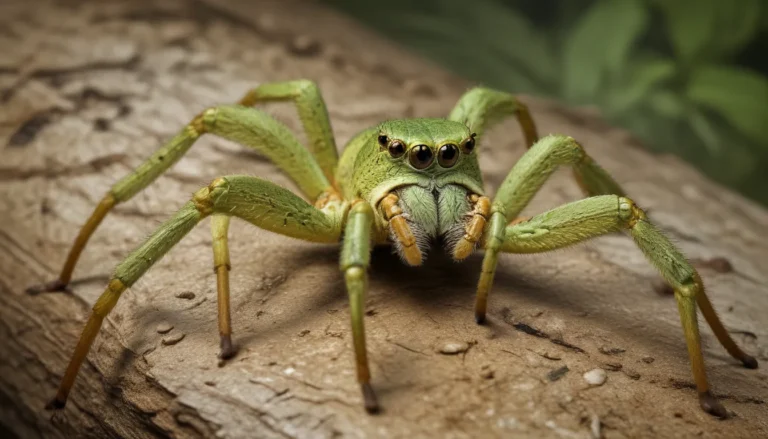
(585, 219)
(222, 266)
(355, 260)
(313, 113)
(575, 222)
(312, 170)
(481, 108)
(519, 187)
(259, 202)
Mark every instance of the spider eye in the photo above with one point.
(448, 155)
(420, 156)
(383, 140)
(396, 148)
(469, 144)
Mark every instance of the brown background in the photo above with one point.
(89, 89)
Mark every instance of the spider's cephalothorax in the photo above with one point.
(424, 177)
(409, 182)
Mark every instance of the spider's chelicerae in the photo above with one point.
(406, 182)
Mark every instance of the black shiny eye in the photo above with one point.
(469, 144)
(396, 149)
(448, 155)
(383, 140)
(420, 156)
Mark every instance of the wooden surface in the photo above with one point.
(88, 89)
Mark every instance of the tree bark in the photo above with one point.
(88, 89)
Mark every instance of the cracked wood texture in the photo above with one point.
(90, 88)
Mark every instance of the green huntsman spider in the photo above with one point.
(406, 182)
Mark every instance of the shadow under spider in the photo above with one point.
(438, 281)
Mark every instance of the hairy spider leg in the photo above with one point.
(259, 202)
(473, 231)
(313, 113)
(250, 127)
(402, 231)
(354, 262)
(585, 219)
(480, 108)
(222, 266)
(519, 187)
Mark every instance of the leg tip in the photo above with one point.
(412, 256)
(711, 405)
(56, 404)
(479, 318)
(749, 362)
(369, 399)
(227, 349)
(48, 287)
(463, 249)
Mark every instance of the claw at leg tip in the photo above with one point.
(56, 404)
(479, 318)
(369, 399)
(711, 405)
(227, 349)
(413, 256)
(749, 362)
(463, 249)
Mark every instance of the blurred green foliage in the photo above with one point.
(683, 75)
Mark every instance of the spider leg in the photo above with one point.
(221, 266)
(519, 187)
(401, 230)
(585, 219)
(480, 108)
(355, 259)
(247, 126)
(259, 202)
(313, 113)
(473, 231)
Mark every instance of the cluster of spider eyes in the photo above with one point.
(420, 156)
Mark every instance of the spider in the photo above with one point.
(408, 183)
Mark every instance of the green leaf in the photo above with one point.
(704, 130)
(710, 29)
(599, 45)
(507, 34)
(667, 104)
(739, 95)
(690, 24)
(436, 37)
(736, 26)
(636, 82)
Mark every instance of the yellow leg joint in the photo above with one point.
(202, 121)
(204, 197)
(629, 212)
(328, 196)
(109, 298)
